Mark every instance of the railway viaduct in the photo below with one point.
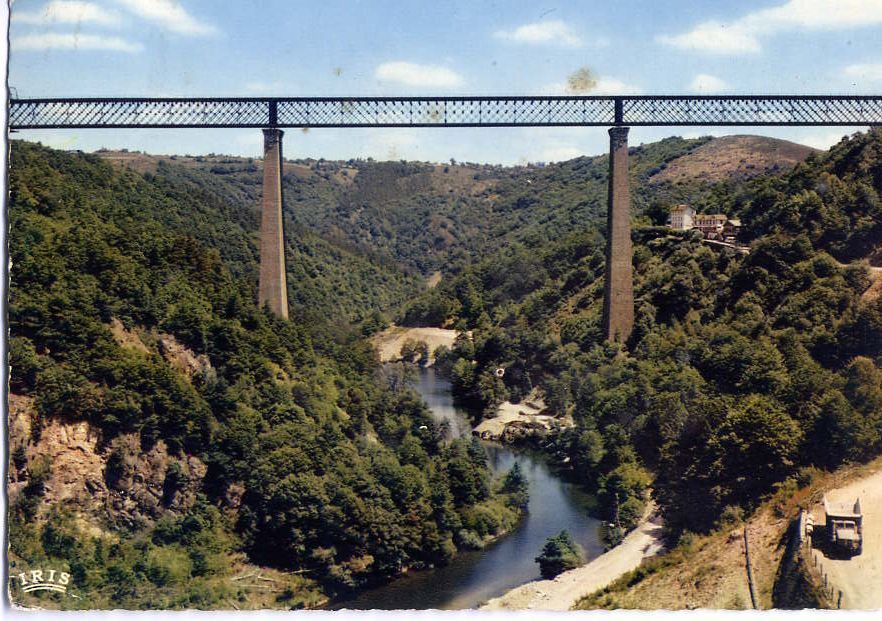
(616, 112)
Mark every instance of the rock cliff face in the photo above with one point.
(142, 485)
(121, 481)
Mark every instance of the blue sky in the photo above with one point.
(331, 47)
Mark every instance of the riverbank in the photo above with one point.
(474, 576)
(389, 341)
(565, 590)
(516, 421)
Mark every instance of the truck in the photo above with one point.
(844, 525)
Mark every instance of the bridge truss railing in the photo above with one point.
(445, 111)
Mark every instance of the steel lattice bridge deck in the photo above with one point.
(572, 111)
(617, 112)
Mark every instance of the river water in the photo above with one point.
(474, 577)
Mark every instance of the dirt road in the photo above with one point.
(565, 590)
(859, 578)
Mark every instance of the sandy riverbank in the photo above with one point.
(565, 590)
(390, 340)
(528, 412)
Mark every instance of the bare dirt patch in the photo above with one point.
(513, 419)
(127, 338)
(389, 341)
(875, 289)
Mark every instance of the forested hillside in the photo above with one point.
(426, 217)
(220, 437)
(132, 317)
(741, 369)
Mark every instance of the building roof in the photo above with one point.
(681, 208)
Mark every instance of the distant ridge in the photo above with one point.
(738, 157)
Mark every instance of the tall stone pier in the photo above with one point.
(272, 289)
(618, 291)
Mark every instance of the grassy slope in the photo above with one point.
(734, 157)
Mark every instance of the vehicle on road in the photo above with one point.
(844, 525)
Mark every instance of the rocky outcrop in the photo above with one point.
(142, 485)
(519, 422)
(122, 482)
(68, 451)
(178, 355)
(182, 358)
(127, 338)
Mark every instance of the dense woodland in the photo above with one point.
(422, 217)
(741, 371)
(344, 473)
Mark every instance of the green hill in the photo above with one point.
(740, 369)
(195, 432)
(428, 217)
(424, 217)
(256, 441)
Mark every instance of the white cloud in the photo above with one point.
(823, 140)
(422, 76)
(704, 83)
(870, 72)
(170, 15)
(71, 41)
(605, 85)
(554, 32)
(68, 12)
(742, 36)
(717, 38)
(612, 86)
(265, 88)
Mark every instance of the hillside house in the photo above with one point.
(710, 224)
(682, 217)
(714, 226)
(731, 230)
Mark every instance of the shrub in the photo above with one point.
(560, 553)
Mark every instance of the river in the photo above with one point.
(474, 577)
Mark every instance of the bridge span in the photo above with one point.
(615, 111)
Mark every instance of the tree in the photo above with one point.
(755, 446)
(559, 554)
(517, 485)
